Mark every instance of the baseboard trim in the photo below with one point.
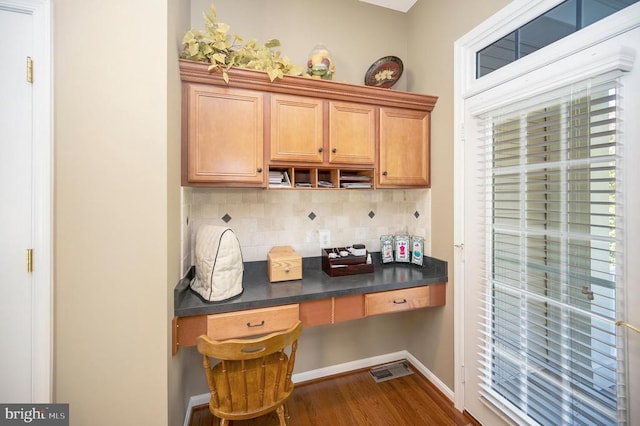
(195, 401)
(346, 367)
(359, 364)
(430, 376)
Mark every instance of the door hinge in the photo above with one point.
(29, 69)
(29, 261)
(463, 377)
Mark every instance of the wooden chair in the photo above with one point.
(253, 376)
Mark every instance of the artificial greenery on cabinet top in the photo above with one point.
(222, 51)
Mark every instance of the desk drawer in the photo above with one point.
(251, 322)
(400, 300)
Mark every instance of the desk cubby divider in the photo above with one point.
(288, 177)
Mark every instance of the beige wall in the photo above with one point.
(356, 33)
(116, 248)
(433, 27)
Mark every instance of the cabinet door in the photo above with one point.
(404, 148)
(352, 133)
(296, 129)
(225, 138)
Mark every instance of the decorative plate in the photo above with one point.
(384, 72)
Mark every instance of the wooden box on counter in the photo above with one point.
(284, 264)
(344, 265)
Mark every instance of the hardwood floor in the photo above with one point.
(355, 399)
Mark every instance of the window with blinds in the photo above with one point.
(552, 224)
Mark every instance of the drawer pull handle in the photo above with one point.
(400, 302)
(287, 270)
(260, 324)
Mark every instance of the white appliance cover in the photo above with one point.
(219, 266)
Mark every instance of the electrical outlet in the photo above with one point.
(324, 235)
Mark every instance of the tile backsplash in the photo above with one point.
(265, 218)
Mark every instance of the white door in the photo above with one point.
(469, 264)
(25, 202)
(16, 212)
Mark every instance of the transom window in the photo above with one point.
(559, 22)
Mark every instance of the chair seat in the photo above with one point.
(257, 402)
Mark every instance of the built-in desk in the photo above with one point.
(316, 299)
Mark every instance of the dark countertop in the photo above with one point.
(315, 284)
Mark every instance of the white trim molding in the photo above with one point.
(583, 65)
(399, 5)
(43, 204)
(334, 370)
(42, 193)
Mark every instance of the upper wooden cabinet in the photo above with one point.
(296, 129)
(223, 138)
(404, 148)
(233, 133)
(352, 134)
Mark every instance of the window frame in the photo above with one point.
(466, 86)
(512, 17)
(577, 10)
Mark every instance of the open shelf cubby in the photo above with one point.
(356, 179)
(319, 178)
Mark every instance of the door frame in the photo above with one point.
(42, 196)
(505, 21)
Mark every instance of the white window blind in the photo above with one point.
(552, 229)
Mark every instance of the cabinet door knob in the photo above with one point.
(334, 150)
(384, 173)
(320, 149)
(259, 169)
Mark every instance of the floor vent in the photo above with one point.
(390, 371)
